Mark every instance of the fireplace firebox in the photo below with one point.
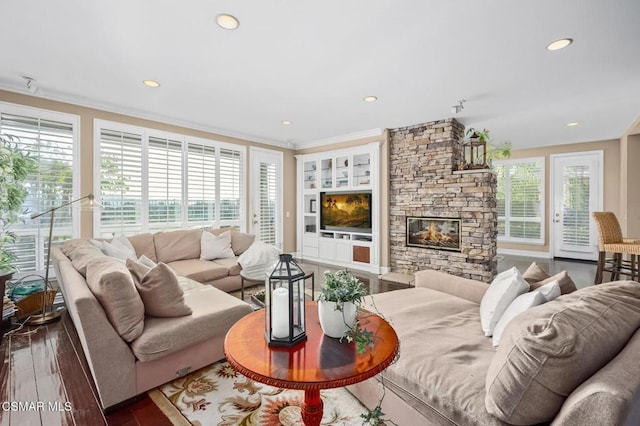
(434, 233)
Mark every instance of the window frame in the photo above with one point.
(74, 121)
(507, 219)
(146, 133)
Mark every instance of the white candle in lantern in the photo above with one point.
(280, 313)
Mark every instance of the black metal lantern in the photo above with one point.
(284, 303)
(475, 152)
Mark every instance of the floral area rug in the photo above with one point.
(218, 395)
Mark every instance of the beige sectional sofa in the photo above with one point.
(127, 351)
(571, 361)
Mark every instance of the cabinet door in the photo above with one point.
(326, 173)
(361, 170)
(310, 174)
(342, 171)
(343, 251)
(327, 248)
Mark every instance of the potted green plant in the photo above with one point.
(15, 167)
(493, 151)
(340, 297)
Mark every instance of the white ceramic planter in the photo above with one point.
(333, 322)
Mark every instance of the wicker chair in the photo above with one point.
(610, 240)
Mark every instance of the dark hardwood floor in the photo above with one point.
(46, 365)
(44, 368)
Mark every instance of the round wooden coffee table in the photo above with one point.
(320, 362)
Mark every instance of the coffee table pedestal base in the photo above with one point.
(312, 410)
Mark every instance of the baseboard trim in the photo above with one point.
(525, 253)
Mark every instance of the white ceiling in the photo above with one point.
(313, 62)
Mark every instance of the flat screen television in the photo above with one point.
(345, 211)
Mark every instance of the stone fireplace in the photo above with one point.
(428, 196)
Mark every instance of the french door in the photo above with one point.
(266, 195)
(576, 185)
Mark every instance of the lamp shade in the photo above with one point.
(284, 303)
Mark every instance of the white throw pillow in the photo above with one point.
(215, 247)
(519, 305)
(505, 287)
(146, 261)
(120, 248)
(259, 254)
(550, 290)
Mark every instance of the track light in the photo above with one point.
(31, 84)
(455, 109)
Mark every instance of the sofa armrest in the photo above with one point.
(457, 286)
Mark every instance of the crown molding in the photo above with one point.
(87, 103)
(342, 138)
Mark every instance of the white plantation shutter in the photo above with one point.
(268, 203)
(576, 208)
(152, 183)
(230, 184)
(120, 183)
(50, 138)
(520, 200)
(201, 172)
(165, 184)
(500, 199)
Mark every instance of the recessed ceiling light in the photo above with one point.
(572, 124)
(559, 44)
(151, 83)
(227, 22)
(370, 99)
(286, 122)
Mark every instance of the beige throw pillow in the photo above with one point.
(216, 247)
(159, 290)
(548, 351)
(111, 283)
(535, 273)
(241, 241)
(566, 283)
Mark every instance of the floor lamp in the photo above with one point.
(45, 316)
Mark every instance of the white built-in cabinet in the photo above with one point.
(345, 171)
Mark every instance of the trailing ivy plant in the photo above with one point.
(340, 287)
(15, 167)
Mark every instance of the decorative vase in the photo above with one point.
(333, 322)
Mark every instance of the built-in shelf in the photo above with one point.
(347, 170)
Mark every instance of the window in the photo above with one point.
(520, 200)
(152, 181)
(51, 138)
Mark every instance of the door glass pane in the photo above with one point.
(575, 206)
(268, 203)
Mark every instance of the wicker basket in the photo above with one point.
(33, 303)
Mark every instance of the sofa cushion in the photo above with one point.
(566, 283)
(81, 252)
(215, 246)
(444, 355)
(549, 350)
(202, 271)
(604, 397)
(143, 244)
(177, 245)
(504, 288)
(214, 312)
(231, 264)
(111, 283)
(159, 289)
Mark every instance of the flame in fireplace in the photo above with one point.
(433, 234)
